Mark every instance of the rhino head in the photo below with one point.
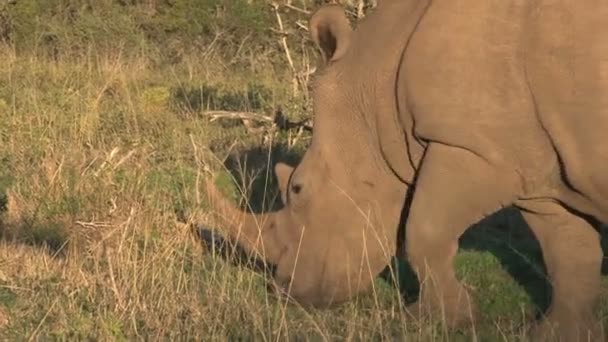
(343, 202)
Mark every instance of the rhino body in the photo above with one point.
(436, 114)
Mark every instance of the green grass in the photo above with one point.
(103, 148)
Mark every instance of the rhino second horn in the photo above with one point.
(255, 233)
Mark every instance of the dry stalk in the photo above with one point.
(294, 141)
(283, 41)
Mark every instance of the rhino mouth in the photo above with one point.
(235, 254)
(232, 252)
(281, 290)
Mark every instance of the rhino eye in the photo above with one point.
(296, 188)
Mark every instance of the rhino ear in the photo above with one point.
(330, 30)
(283, 172)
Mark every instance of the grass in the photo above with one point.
(101, 160)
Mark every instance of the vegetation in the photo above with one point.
(105, 140)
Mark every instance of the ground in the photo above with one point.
(104, 146)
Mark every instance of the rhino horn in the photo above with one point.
(255, 233)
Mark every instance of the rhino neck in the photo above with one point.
(379, 44)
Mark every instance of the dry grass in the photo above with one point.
(97, 164)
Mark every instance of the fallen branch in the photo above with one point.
(94, 224)
(279, 120)
(222, 114)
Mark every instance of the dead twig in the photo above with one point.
(297, 9)
(302, 26)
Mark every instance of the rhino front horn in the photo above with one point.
(255, 233)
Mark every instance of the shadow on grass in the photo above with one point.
(510, 240)
(48, 236)
(505, 234)
(30, 231)
(254, 171)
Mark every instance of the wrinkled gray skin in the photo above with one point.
(484, 104)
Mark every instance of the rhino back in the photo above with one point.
(464, 73)
(496, 77)
(567, 63)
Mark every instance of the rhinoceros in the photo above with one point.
(436, 114)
